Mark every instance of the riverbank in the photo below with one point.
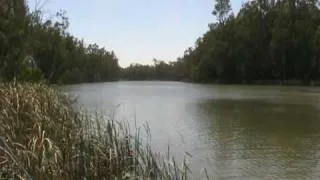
(255, 82)
(43, 137)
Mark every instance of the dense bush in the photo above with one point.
(34, 48)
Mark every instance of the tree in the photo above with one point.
(221, 10)
(56, 55)
(266, 42)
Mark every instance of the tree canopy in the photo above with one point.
(267, 41)
(32, 48)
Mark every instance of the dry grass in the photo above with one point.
(42, 137)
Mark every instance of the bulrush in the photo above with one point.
(44, 137)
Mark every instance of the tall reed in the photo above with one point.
(44, 137)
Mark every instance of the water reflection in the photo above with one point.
(262, 139)
(237, 132)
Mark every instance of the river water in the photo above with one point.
(235, 132)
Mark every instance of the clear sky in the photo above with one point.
(138, 30)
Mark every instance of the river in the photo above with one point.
(236, 132)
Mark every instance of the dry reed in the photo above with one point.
(43, 137)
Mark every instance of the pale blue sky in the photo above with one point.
(139, 30)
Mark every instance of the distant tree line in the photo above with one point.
(159, 70)
(33, 49)
(268, 41)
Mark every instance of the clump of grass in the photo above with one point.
(43, 137)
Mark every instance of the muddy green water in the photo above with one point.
(236, 132)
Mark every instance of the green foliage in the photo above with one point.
(13, 32)
(160, 70)
(222, 9)
(268, 41)
(56, 54)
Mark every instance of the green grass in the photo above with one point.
(43, 137)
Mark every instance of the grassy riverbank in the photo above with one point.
(42, 137)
